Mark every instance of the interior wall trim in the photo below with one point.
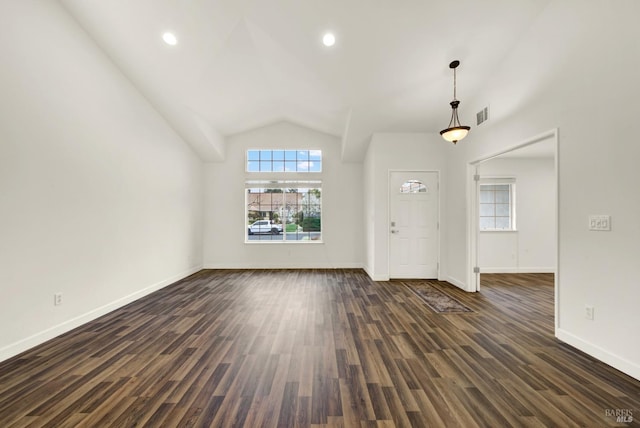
(603, 355)
(280, 265)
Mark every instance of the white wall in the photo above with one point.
(532, 247)
(99, 199)
(369, 214)
(225, 224)
(393, 151)
(575, 69)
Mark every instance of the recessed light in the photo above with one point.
(329, 39)
(170, 39)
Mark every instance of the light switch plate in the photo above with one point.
(600, 222)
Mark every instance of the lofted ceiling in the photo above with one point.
(243, 64)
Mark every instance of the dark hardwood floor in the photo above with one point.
(317, 348)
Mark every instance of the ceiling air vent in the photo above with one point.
(482, 115)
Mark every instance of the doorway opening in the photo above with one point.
(513, 213)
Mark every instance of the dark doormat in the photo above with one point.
(436, 299)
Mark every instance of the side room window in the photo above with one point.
(497, 205)
(283, 210)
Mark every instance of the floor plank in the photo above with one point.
(317, 348)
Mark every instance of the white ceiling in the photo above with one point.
(242, 64)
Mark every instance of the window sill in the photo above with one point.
(280, 242)
(498, 230)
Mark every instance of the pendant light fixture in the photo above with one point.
(454, 132)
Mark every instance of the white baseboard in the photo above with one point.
(280, 265)
(456, 282)
(380, 278)
(372, 276)
(517, 269)
(622, 364)
(68, 325)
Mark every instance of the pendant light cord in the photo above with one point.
(454, 85)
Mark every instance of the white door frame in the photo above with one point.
(473, 278)
(389, 172)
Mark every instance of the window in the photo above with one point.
(497, 205)
(413, 186)
(284, 160)
(282, 204)
(283, 210)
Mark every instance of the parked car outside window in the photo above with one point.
(265, 226)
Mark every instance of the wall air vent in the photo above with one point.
(482, 115)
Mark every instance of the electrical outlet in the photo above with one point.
(57, 299)
(588, 312)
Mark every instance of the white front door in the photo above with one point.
(413, 224)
